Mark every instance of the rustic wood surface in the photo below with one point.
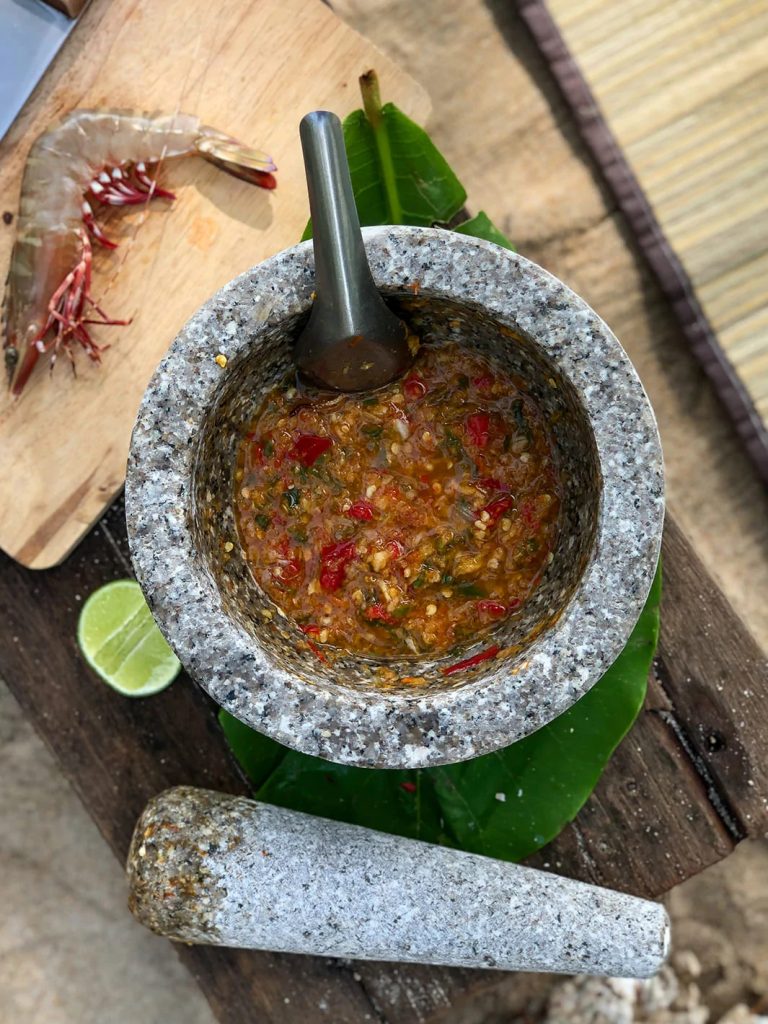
(251, 69)
(682, 84)
(677, 796)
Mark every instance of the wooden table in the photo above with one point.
(685, 786)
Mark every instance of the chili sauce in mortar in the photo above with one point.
(407, 522)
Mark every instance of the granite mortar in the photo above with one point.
(181, 523)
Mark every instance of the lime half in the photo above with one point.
(120, 641)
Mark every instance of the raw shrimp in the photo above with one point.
(91, 157)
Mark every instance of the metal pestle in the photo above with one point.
(352, 341)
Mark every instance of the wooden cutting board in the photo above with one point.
(251, 68)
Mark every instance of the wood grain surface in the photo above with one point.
(682, 86)
(684, 786)
(250, 69)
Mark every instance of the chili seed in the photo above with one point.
(431, 609)
(379, 560)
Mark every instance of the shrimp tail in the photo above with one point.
(251, 165)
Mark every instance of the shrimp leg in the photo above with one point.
(65, 315)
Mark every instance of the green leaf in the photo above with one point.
(481, 227)
(514, 801)
(398, 174)
(375, 799)
(543, 779)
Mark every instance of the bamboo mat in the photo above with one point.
(672, 97)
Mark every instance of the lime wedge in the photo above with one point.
(120, 641)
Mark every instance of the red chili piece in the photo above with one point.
(478, 426)
(313, 631)
(378, 613)
(415, 388)
(484, 383)
(308, 448)
(492, 608)
(334, 559)
(396, 548)
(527, 513)
(497, 508)
(409, 787)
(476, 659)
(287, 571)
(362, 510)
(489, 483)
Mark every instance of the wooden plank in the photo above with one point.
(250, 69)
(714, 673)
(650, 824)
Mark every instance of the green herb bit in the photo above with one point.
(507, 443)
(454, 443)
(420, 580)
(326, 478)
(447, 578)
(463, 381)
(518, 411)
(269, 449)
(370, 401)
(466, 508)
(262, 520)
(300, 536)
(470, 590)
(291, 498)
(370, 430)
(402, 611)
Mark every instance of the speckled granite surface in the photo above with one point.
(179, 517)
(211, 868)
